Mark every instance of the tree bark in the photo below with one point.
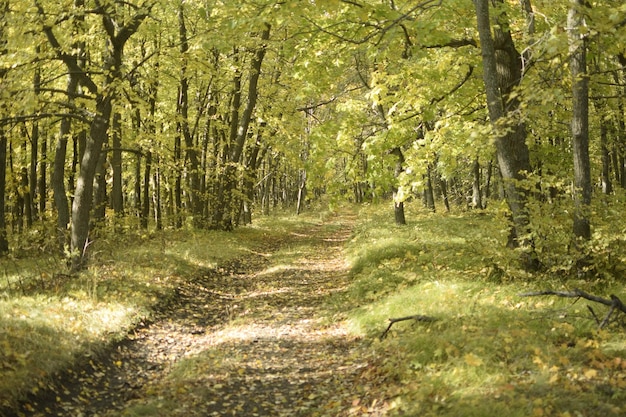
(191, 153)
(477, 198)
(83, 194)
(145, 208)
(117, 197)
(580, 120)
(58, 172)
(501, 73)
(398, 206)
(4, 243)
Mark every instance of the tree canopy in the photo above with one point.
(153, 114)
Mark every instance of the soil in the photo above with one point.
(255, 337)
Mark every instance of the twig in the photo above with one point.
(417, 317)
(593, 313)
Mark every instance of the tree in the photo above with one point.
(501, 73)
(117, 36)
(577, 37)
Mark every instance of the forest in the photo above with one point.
(204, 124)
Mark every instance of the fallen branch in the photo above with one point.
(415, 317)
(614, 303)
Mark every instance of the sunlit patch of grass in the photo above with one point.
(40, 335)
(490, 351)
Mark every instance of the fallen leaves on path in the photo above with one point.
(253, 339)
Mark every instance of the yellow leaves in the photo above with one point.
(590, 373)
(472, 360)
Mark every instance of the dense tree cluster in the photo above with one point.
(151, 113)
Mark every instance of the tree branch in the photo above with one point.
(613, 302)
(417, 317)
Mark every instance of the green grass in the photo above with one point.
(490, 352)
(48, 318)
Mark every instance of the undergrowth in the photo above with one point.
(490, 351)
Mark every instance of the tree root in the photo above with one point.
(614, 303)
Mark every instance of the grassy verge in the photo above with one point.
(491, 352)
(48, 318)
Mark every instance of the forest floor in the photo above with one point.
(255, 337)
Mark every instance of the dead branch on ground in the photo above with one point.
(417, 317)
(614, 303)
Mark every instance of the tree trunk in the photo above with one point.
(477, 198)
(83, 195)
(58, 173)
(240, 133)
(4, 243)
(501, 73)
(398, 206)
(43, 180)
(607, 184)
(158, 216)
(100, 191)
(117, 198)
(429, 194)
(580, 120)
(191, 153)
(145, 209)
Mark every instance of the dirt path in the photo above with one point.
(253, 339)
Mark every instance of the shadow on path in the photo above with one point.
(253, 339)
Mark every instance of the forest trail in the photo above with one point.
(251, 339)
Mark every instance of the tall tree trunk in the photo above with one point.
(580, 119)
(607, 184)
(239, 132)
(191, 153)
(83, 195)
(25, 189)
(100, 190)
(158, 216)
(145, 208)
(42, 182)
(477, 198)
(58, 172)
(4, 242)
(429, 193)
(501, 73)
(34, 145)
(117, 198)
(178, 183)
(58, 184)
(398, 206)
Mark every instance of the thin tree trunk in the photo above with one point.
(4, 243)
(145, 209)
(429, 194)
(43, 180)
(398, 206)
(25, 190)
(58, 173)
(117, 198)
(607, 184)
(191, 153)
(477, 199)
(580, 119)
